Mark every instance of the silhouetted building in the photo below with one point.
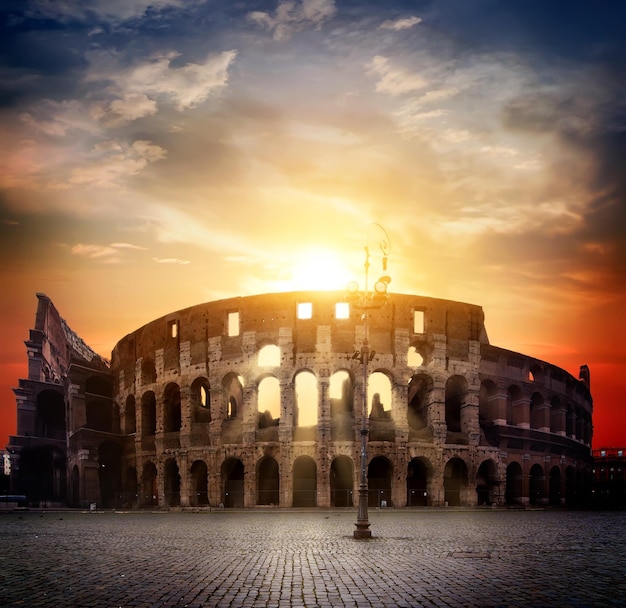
(609, 487)
(258, 401)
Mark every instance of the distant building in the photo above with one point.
(609, 478)
(258, 401)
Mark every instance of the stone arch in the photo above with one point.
(514, 487)
(269, 356)
(304, 482)
(536, 483)
(268, 482)
(148, 371)
(172, 414)
(455, 481)
(341, 396)
(110, 473)
(418, 478)
(420, 388)
(172, 483)
(414, 358)
(268, 402)
(306, 397)
(232, 383)
(487, 483)
(536, 374)
(148, 414)
(557, 419)
(536, 411)
(199, 477)
(487, 402)
(130, 488)
(514, 406)
(554, 486)
(233, 483)
(130, 415)
(50, 415)
(341, 481)
(456, 394)
(379, 395)
(99, 415)
(75, 487)
(149, 488)
(200, 401)
(379, 481)
(43, 474)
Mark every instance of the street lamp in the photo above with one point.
(366, 301)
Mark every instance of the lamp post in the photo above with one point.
(366, 301)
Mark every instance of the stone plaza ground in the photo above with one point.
(433, 558)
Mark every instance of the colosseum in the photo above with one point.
(260, 401)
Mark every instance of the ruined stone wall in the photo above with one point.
(459, 411)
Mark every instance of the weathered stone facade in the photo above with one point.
(451, 419)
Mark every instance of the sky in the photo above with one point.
(157, 154)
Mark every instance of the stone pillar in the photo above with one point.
(182, 461)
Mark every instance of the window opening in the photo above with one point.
(269, 356)
(233, 323)
(342, 310)
(305, 310)
(413, 358)
(418, 321)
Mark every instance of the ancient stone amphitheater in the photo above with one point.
(259, 400)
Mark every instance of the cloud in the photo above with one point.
(119, 111)
(111, 164)
(185, 86)
(293, 15)
(171, 261)
(102, 253)
(403, 23)
(394, 81)
(108, 10)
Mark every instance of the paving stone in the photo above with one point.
(427, 558)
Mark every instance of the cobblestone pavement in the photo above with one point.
(430, 558)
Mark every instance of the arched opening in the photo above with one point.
(418, 476)
(172, 419)
(172, 483)
(456, 390)
(110, 474)
(130, 488)
(148, 414)
(455, 482)
(379, 475)
(420, 387)
(341, 396)
(43, 477)
(99, 415)
(269, 402)
(268, 481)
(554, 487)
(487, 403)
(269, 356)
(130, 418)
(199, 484)
(306, 399)
(536, 411)
(199, 397)
(149, 490)
(414, 358)
(50, 415)
(514, 484)
(304, 482)
(571, 496)
(75, 487)
(341, 481)
(232, 482)
(487, 484)
(379, 396)
(536, 485)
(514, 406)
(148, 371)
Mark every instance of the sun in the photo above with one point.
(318, 269)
